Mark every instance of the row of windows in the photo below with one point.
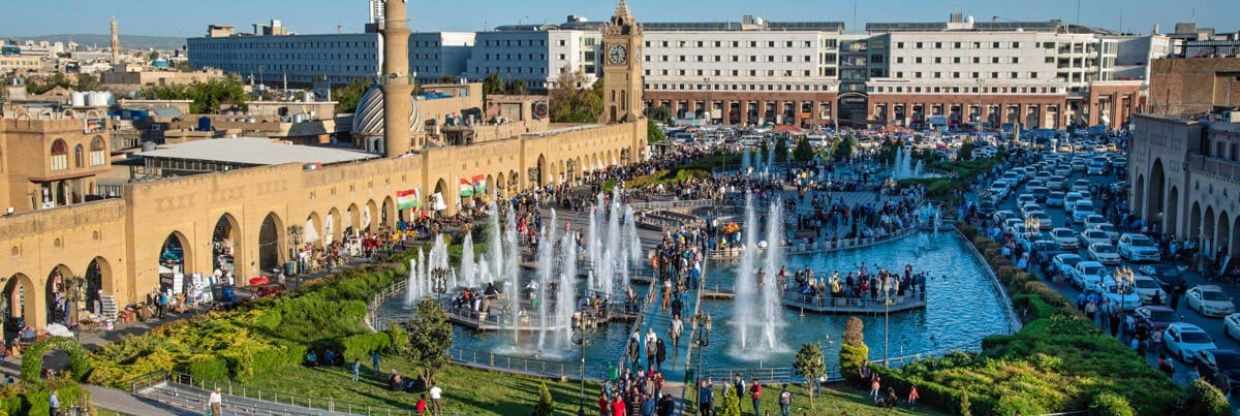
(511, 70)
(738, 87)
(976, 60)
(426, 56)
(825, 72)
(425, 44)
(976, 45)
(519, 57)
(828, 58)
(517, 43)
(825, 43)
(286, 56)
(973, 75)
(249, 68)
(958, 90)
(282, 44)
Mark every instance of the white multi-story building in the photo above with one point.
(435, 56)
(536, 55)
(748, 72)
(298, 59)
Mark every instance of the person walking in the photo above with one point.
(357, 370)
(755, 394)
(913, 395)
(875, 386)
(785, 401)
(374, 362)
(215, 403)
(706, 398)
(660, 354)
(420, 406)
(53, 403)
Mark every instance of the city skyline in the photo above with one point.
(190, 19)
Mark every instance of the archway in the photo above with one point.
(1207, 232)
(514, 181)
(1138, 200)
(332, 226)
(98, 284)
(353, 222)
(270, 233)
(539, 173)
(312, 232)
(1224, 235)
(501, 185)
(387, 216)
(1154, 208)
(174, 255)
(19, 305)
(441, 194)
(370, 216)
(1171, 219)
(1194, 222)
(60, 282)
(224, 240)
(1235, 240)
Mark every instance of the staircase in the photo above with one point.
(109, 307)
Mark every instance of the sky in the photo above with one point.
(185, 18)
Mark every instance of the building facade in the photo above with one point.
(298, 59)
(535, 55)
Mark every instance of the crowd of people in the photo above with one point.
(860, 286)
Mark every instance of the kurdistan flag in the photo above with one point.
(407, 199)
(467, 189)
(480, 184)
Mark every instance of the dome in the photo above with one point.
(368, 117)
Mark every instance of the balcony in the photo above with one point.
(1228, 170)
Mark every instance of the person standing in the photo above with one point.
(755, 394)
(420, 406)
(785, 401)
(53, 403)
(374, 362)
(215, 403)
(357, 370)
(436, 399)
(660, 353)
(706, 398)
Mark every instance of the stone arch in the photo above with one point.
(514, 181)
(1172, 218)
(441, 188)
(353, 221)
(1138, 200)
(501, 185)
(1235, 239)
(1157, 184)
(97, 284)
(371, 221)
(60, 281)
(175, 255)
(1223, 238)
(539, 174)
(312, 232)
(387, 216)
(225, 244)
(1193, 232)
(333, 227)
(59, 153)
(485, 192)
(271, 252)
(20, 299)
(1207, 231)
(79, 156)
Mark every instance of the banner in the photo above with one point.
(407, 199)
(439, 205)
(480, 184)
(467, 189)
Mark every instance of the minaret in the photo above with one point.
(397, 86)
(116, 45)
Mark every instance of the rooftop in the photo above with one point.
(256, 151)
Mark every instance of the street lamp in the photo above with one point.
(1125, 279)
(583, 341)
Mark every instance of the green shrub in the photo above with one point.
(853, 352)
(358, 347)
(1206, 400)
(545, 405)
(207, 368)
(398, 338)
(1110, 404)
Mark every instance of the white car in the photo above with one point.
(1104, 253)
(1210, 301)
(1148, 288)
(1025, 199)
(1231, 325)
(1066, 238)
(1070, 200)
(1096, 167)
(1184, 341)
(1003, 215)
(1093, 221)
(1045, 223)
(1081, 211)
(1138, 248)
(1087, 273)
(1106, 227)
(1090, 237)
(1125, 298)
(1055, 199)
(1065, 263)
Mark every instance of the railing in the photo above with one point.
(1014, 323)
(824, 246)
(671, 205)
(563, 370)
(261, 399)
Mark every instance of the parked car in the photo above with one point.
(1087, 273)
(1065, 263)
(1138, 248)
(1092, 222)
(1104, 253)
(1090, 237)
(1067, 238)
(1081, 211)
(1106, 227)
(1148, 288)
(1184, 340)
(1055, 199)
(1210, 301)
(1231, 325)
(1222, 368)
(1070, 200)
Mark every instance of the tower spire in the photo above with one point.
(116, 43)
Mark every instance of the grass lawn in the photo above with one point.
(466, 391)
(477, 392)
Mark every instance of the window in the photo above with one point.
(1015, 45)
(1033, 75)
(899, 45)
(994, 59)
(956, 45)
(79, 156)
(917, 59)
(60, 155)
(938, 59)
(938, 75)
(1015, 60)
(977, 59)
(899, 59)
(956, 60)
(994, 45)
(918, 45)
(938, 45)
(1015, 75)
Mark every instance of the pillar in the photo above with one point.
(762, 112)
(1115, 112)
(744, 112)
(727, 112)
(397, 85)
(797, 116)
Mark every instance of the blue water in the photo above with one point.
(962, 308)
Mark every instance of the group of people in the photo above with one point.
(707, 405)
(860, 285)
(636, 393)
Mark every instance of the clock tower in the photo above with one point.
(622, 68)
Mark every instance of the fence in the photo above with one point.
(823, 246)
(183, 389)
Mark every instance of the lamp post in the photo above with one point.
(1125, 279)
(583, 341)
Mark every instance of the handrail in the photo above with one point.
(821, 246)
(260, 395)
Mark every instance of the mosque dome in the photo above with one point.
(368, 117)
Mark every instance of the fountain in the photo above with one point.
(745, 286)
(745, 161)
(566, 294)
(468, 276)
(496, 247)
(546, 254)
(758, 295)
(411, 285)
(772, 302)
(511, 270)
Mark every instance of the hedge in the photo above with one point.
(32, 360)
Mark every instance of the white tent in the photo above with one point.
(328, 227)
(312, 235)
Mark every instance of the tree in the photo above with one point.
(843, 149)
(152, 56)
(430, 338)
(966, 150)
(811, 365)
(570, 103)
(519, 88)
(87, 82)
(492, 84)
(804, 151)
(660, 113)
(853, 352)
(545, 406)
(654, 134)
(349, 96)
(729, 402)
(207, 97)
(1206, 400)
(781, 149)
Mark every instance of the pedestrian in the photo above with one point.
(420, 406)
(617, 406)
(660, 353)
(706, 397)
(603, 408)
(755, 394)
(357, 370)
(374, 362)
(875, 386)
(1115, 319)
(785, 401)
(436, 399)
(913, 395)
(53, 403)
(215, 403)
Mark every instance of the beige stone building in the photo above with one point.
(117, 248)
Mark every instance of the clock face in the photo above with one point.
(617, 55)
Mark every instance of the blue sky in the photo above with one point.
(191, 17)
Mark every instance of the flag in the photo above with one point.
(467, 189)
(480, 184)
(407, 199)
